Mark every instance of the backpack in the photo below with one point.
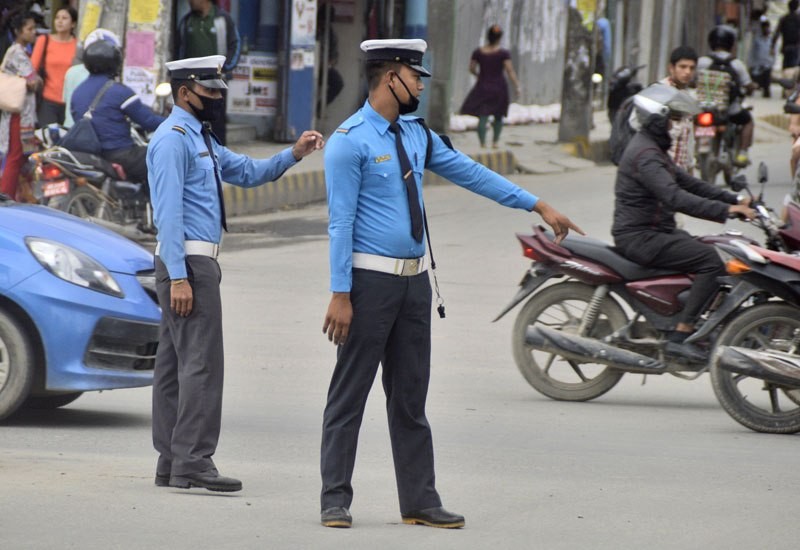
(718, 84)
(621, 131)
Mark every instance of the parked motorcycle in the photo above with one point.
(621, 86)
(756, 369)
(574, 339)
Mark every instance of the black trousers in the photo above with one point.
(132, 160)
(187, 383)
(680, 251)
(49, 112)
(391, 326)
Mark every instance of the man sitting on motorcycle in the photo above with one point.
(650, 189)
(118, 105)
(722, 41)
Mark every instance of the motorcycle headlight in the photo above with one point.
(73, 266)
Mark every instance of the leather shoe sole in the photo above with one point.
(434, 517)
(336, 517)
(206, 480)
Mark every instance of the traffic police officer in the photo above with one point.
(380, 308)
(186, 166)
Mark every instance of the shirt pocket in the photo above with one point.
(384, 179)
(205, 166)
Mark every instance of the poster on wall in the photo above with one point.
(253, 90)
(143, 11)
(304, 23)
(141, 81)
(140, 48)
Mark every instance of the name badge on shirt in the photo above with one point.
(382, 158)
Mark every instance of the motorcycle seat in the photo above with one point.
(604, 253)
(97, 162)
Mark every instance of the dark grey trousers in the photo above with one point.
(391, 326)
(187, 384)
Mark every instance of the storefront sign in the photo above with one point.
(254, 87)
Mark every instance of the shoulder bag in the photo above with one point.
(14, 89)
(82, 137)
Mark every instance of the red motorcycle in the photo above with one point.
(574, 338)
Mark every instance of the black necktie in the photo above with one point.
(207, 137)
(411, 185)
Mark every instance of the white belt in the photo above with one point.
(396, 266)
(197, 248)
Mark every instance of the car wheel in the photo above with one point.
(16, 365)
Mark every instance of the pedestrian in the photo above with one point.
(75, 76)
(381, 295)
(209, 30)
(788, 30)
(52, 57)
(760, 60)
(186, 165)
(490, 97)
(16, 130)
(681, 70)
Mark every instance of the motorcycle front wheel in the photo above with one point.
(562, 307)
(85, 203)
(757, 404)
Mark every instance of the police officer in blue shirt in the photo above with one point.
(381, 305)
(186, 166)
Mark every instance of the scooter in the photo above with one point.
(621, 86)
(574, 339)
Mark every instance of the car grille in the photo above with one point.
(122, 345)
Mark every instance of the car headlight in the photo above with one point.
(73, 266)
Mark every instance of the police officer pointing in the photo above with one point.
(186, 166)
(381, 305)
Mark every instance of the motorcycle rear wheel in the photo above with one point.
(85, 203)
(756, 404)
(562, 306)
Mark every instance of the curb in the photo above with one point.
(300, 188)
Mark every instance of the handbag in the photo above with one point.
(82, 137)
(14, 89)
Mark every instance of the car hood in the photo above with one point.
(113, 251)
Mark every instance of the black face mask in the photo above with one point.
(413, 101)
(212, 107)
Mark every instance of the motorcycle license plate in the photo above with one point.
(55, 188)
(704, 131)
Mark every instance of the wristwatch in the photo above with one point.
(177, 281)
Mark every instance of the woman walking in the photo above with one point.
(52, 56)
(16, 130)
(489, 96)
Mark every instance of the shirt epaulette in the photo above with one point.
(179, 129)
(349, 124)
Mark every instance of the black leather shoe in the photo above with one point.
(434, 517)
(162, 480)
(210, 479)
(336, 517)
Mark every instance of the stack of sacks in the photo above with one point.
(517, 114)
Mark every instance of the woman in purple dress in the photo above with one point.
(489, 96)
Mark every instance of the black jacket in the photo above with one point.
(650, 188)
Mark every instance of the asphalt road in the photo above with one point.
(649, 465)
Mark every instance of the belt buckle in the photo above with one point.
(410, 267)
(215, 251)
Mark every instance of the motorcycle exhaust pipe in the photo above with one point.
(129, 231)
(772, 366)
(589, 350)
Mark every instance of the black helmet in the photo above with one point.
(103, 57)
(722, 37)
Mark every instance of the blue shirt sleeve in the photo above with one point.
(343, 184)
(141, 115)
(465, 172)
(243, 171)
(167, 167)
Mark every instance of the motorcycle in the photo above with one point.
(621, 86)
(717, 144)
(88, 186)
(755, 372)
(574, 340)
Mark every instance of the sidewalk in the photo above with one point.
(529, 148)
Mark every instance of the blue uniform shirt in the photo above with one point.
(183, 188)
(367, 201)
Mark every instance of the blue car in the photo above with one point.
(78, 309)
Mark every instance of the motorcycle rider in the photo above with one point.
(650, 188)
(722, 41)
(110, 119)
